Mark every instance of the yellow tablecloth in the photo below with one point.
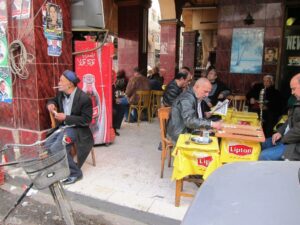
(194, 159)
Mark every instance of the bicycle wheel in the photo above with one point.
(62, 204)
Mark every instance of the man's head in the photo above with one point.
(137, 71)
(2, 86)
(68, 81)
(270, 54)
(182, 79)
(295, 86)
(268, 81)
(211, 74)
(187, 70)
(202, 88)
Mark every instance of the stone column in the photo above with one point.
(26, 119)
(189, 49)
(132, 35)
(169, 47)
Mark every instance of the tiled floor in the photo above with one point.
(128, 173)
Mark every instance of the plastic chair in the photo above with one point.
(238, 101)
(73, 151)
(156, 97)
(143, 103)
(167, 145)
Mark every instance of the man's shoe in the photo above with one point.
(71, 180)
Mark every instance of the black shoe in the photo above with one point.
(117, 133)
(71, 180)
(159, 148)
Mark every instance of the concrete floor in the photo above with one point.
(128, 174)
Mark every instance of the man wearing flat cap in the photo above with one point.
(74, 107)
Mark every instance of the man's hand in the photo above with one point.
(207, 114)
(221, 96)
(209, 104)
(51, 107)
(276, 137)
(60, 116)
(217, 125)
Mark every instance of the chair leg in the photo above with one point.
(178, 192)
(170, 157)
(163, 158)
(139, 116)
(93, 157)
(129, 111)
(149, 115)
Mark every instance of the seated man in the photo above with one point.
(74, 107)
(176, 86)
(219, 91)
(138, 82)
(285, 144)
(187, 114)
(273, 103)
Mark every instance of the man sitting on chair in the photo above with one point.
(74, 107)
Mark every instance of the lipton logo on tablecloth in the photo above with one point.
(204, 161)
(240, 150)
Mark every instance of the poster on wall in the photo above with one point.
(5, 85)
(3, 13)
(20, 9)
(294, 61)
(247, 50)
(52, 21)
(54, 47)
(3, 50)
(271, 56)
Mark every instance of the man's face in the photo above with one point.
(267, 82)
(202, 90)
(212, 76)
(270, 55)
(64, 84)
(295, 87)
(2, 87)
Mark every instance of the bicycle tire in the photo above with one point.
(62, 204)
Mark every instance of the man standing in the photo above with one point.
(186, 112)
(285, 143)
(74, 107)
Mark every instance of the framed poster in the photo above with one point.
(52, 21)
(247, 50)
(5, 85)
(271, 55)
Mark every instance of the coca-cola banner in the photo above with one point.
(239, 150)
(95, 71)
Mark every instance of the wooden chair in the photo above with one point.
(143, 104)
(167, 145)
(238, 101)
(73, 151)
(156, 97)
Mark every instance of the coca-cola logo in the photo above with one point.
(204, 161)
(240, 150)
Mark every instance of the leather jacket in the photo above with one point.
(171, 93)
(184, 115)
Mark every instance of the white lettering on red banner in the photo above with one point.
(204, 161)
(240, 150)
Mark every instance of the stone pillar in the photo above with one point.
(26, 119)
(189, 49)
(169, 47)
(132, 35)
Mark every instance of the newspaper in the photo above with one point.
(220, 108)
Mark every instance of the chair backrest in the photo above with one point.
(156, 97)
(144, 98)
(239, 102)
(163, 115)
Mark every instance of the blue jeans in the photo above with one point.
(133, 114)
(270, 151)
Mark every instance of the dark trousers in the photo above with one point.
(56, 142)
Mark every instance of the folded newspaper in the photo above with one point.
(220, 108)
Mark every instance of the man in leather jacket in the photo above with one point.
(285, 143)
(187, 114)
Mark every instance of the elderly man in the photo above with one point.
(273, 103)
(285, 143)
(187, 113)
(74, 107)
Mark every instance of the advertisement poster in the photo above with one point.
(3, 13)
(52, 21)
(20, 9)
(247, 50)
(54, 47)
(3, 50)
(95, 71)
(5, 85)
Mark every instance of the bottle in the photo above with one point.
(90, 89)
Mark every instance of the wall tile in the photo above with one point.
(29, 117)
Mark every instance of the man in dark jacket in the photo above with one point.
(285, 143)
(187, 114)
(74, 107)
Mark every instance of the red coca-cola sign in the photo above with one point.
(240, 150)
(204, 161)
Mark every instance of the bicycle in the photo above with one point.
(45, 167)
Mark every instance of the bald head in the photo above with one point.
(295, 86)
(202, 88)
